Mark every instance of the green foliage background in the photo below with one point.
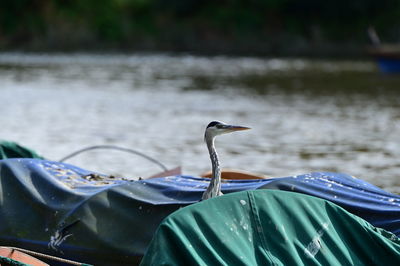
(231, 26)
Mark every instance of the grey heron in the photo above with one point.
(214, 129)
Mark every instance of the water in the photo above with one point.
(306, 115)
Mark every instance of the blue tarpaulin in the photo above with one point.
(67, 211)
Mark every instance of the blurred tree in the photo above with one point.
(173, 23)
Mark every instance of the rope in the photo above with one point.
(45, 256)
(113, 147)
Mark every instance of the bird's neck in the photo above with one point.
(214, 189)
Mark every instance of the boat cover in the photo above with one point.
(63, 210)
(10, 149)
(269, 227)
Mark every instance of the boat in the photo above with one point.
(14, 256)
(103, 220)
(387, 56)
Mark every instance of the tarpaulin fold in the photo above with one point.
(269, 227)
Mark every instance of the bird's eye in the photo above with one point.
(221, 126)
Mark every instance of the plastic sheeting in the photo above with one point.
(379, 207)
(67, 211)
(62, 210)
(269, 227)
(10, 149)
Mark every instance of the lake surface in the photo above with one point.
(305, 115)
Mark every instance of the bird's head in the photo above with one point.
(216, 128)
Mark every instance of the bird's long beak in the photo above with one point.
(232, 128)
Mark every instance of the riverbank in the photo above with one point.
(265, 45)
(294, 46)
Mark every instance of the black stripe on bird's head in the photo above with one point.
(216, 128)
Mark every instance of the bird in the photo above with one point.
(214, 129)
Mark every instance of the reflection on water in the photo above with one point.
(306, 115)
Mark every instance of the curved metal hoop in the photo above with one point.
(113, 147)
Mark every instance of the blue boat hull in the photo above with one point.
(389, 65)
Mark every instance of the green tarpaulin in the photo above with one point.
(269, 227)
(9, 149)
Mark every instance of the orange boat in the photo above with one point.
(19, 256)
